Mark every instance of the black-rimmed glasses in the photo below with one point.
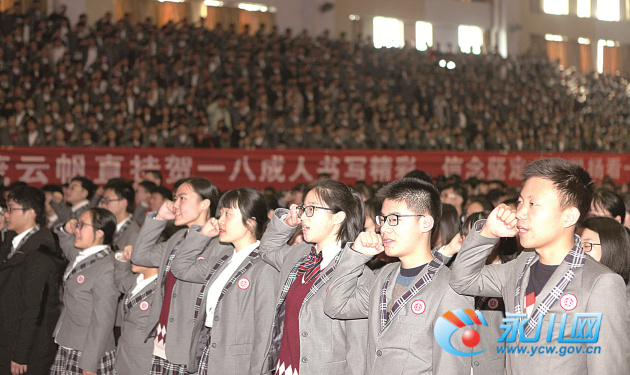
(391, 219)
(310, 210)
(79, 225)
(588, 246)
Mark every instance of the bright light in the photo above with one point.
(424, 35)
(442, 63)
(213, 3)
(171, 1)
(354, 17)
(450, 65)
(608, 10)
(388, 32)
(470, 38)
(253, 7)
(554, 38)
(600, 52)
(560, 7)
(584, 41)
(584, 8)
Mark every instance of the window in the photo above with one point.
(560, 7)
(388, 32)
(600, 52)
(608, 10)
(554, 38)
(424, 35)
(470, 39)
(584, 8)
(584, 41)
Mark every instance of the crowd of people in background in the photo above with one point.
(115, 83)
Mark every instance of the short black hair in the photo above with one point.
(205, 189)
(165, 192)
(615, 243)
(155, 173)
(52, 189)
(103, 219)
(123, 190)
(459, 189)
(571, 182)
(421, 175)
(30, 198)
(148, 186)
(251, 204)
(87, 184)
(611, 202)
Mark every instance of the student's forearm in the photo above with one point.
(273, 245)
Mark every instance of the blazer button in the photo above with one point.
(379, 353)
(174, 295)
(171, 320)
(476, 363)
(214, 344)
(216, 318)
(304, 334)
(304, 359)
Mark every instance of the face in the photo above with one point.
(449, 196)
(592, 237)
(75, 193)
(189, 207)
(473, 207)
(402, 239)
(17, 219)
(370, 225)
(142, 195)
(231, 227)
(320, 227)
(86, 236)
(540, 218)
(110, 201)
(156, 201)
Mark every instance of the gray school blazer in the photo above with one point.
(135, 351)
(595, 288)
(327, 346)
(90, 299)
(406, 345)
(181, 315)
(243, 315)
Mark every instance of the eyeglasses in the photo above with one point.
(391, 219)
(445, 195)
(107, 200)
(79, 225)
(75, 187)
(588, 246)
(310, 210)
(11, 209)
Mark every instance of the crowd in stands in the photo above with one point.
(114, 83)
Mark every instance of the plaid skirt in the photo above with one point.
(162, 366)
(67, 363)
(203, 361)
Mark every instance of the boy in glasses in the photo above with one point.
(402, 301)
(555, 280)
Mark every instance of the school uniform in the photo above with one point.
(326, 346)
(489, 362)
(231, 333)
(126, 234)
(139, 213)
(174, 299)
(580, 285)
(135, 352)
(84, 331)
(400, 337)
(30, 275)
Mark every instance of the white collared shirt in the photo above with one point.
(51, 220)
(215, 289)
(16, 240)
(141, 283)
(79, 205)
(329, 253)
(83, 254)
(120, 225)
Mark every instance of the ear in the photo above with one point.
(99, 234)
(205, 204)
(571, 216)
(339, 217)
(426, 224)
(251, 224)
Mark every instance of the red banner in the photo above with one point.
(281, 169)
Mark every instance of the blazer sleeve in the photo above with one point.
(188, 265)
(66, 242)
(104, 306)
(470, 275)
(146, 252)
(273, 245)
(348, 295)
(37, 269)
(124, 279)
(265, 307)
(608, 296)
(62, 210)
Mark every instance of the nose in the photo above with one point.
(520, 212)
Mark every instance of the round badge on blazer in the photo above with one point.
(243, 283)
(144, 305)
(493, 303)
(418, 306)
(568, 302)
(80, 279)
(201, 257)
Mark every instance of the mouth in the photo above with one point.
(305, 228)
(387, 242)
(522, 230)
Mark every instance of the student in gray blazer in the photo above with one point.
(554, 280)
(134, 352)
(403, 300)
(118, 197)
(85, 330)
(173, 303)
(303, 338)
(239, 293)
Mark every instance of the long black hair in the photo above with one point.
(104, 220)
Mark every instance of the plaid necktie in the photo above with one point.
(310, 268)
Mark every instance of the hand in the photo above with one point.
(70, 225)
(369, 243)
(86, 372)
(17, 369)
(57, 197)
(293, 218)
(454, 246)
(211, 228)
(127, 253)
(166, 212)
(501, 223)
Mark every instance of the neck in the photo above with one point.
(201, 220)
(417, 258)
(122, 217)
(243, 242)
(327, 242)
(554, 254)
(149, 272)
(25, 228)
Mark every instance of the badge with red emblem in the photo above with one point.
(418, 306)
(243, 283)
(144, 305)
(80, 279)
